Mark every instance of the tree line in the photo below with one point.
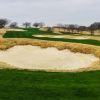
(79, 29)
(70, 27)
(4, 22)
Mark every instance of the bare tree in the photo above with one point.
(36, 24)
(3, 23)
(13, 25)
(67, 27)
(93, 27)
(71, 27)
(60, 26)
(40, 24)
(82, 28)
(49, 29)
(27, 24)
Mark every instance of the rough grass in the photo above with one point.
(27, 85)
(82, 48)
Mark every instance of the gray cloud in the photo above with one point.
(51, 11)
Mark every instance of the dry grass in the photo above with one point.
(75, 47)
(5, 65)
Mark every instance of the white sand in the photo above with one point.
(63, 36)
(34, 57)
(3, 30)
(80, 38)
(50, 36)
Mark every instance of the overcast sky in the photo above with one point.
(52, 12)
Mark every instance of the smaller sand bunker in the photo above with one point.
(63, 36)
(37, 58)
(50, 36)
(80, 38)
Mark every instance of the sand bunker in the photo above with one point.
(81, 38)
(62, 36)
(36, 58)
(4, 30)
(50, 36)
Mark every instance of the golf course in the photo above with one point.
(49, 49)
(43, 65)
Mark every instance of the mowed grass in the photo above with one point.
(34, 31)
(27, 85)
(85, 41)
(26, 34)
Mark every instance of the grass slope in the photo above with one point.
(26, 34)
(29, 32)
(25, 85)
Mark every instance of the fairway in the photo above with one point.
(27, 33)
(31, 32)
(26, 85)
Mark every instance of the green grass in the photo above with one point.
(86, 41)
(16, 34)
(26, 34)
(25, 85)
(33, 31)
